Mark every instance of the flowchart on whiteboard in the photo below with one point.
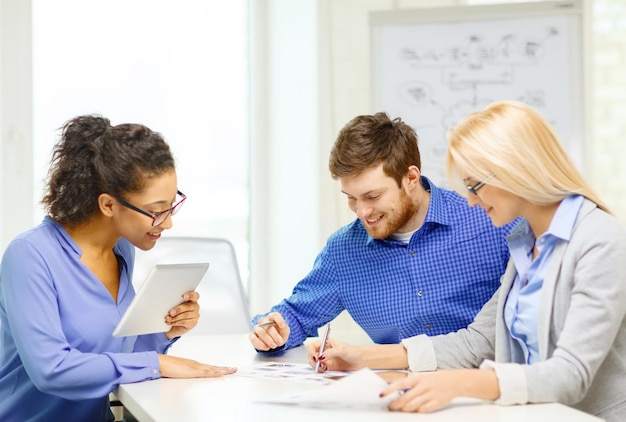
(433, 74)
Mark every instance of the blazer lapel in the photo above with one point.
(503, 345)
(548, 289)
(547, 299)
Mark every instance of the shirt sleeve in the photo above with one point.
(585, 314)
(420, 353)
(585, 318)
(313, 303)
(511, 381)
(465, 348)
(157, 342)
(54, 366)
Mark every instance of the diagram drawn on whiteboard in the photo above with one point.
(434, 74)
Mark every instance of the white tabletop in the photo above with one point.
(235, 398)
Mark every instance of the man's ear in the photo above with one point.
(413, 175)
(107, 204)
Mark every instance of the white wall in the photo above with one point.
(16, 168)
(284, 186)
(310, 75)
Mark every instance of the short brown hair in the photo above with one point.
(369, 140)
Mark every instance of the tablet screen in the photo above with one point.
(161, 291)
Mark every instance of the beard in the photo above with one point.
(395, 219)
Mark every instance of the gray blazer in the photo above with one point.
(582, 327)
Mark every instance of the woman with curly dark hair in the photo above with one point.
(65, 284)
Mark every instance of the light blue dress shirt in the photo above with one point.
(521, 309)
(434, 284)
(58, 359)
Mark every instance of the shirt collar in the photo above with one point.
(68, 242)
(436, 212)
(562, 223)
(64, 237)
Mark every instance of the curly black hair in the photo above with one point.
(92, 157)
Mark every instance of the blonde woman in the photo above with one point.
(555, 331)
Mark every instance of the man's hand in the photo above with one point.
(270, 332)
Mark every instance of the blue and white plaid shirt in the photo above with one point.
(433, 285)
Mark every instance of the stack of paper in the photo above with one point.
(359, 390)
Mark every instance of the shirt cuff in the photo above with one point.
(155, 367)
(169, 344)
(276, 350)
(512, 382)
(420, 353)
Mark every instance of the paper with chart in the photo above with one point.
(290, 371)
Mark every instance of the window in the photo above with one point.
(178, 67)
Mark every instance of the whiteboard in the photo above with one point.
(433, 66)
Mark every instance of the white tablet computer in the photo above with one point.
(161, 291)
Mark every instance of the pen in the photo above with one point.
(322, 346)
(267, 324)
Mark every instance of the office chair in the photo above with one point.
(223, 303)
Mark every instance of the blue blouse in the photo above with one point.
(58, 358)
(521, 308)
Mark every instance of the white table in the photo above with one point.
(234, 398)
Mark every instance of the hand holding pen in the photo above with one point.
(271, 332)
(320, 353)
(335, 356)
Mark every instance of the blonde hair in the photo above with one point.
(516, 148)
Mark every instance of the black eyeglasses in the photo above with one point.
(475, 188)
(157, 217)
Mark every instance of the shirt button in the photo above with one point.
(412, 253)
(154, 371)
(428, 326)
(420, 293)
